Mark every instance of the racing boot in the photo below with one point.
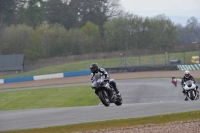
(186, 99)
(117, 92)
(113, 84)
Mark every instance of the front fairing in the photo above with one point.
(189, 85)
(96, 81)
(96, 84)
(99, 84)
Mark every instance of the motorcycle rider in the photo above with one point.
(187, 76)
(174, 80)
(95, 70)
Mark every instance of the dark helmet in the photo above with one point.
(94, 68)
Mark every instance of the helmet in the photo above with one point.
(187, 74)
(94, 68)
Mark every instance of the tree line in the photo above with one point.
(50, 28)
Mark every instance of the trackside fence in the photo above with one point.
(119, 59)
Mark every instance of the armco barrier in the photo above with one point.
(1, 81)
(11, 80)
(48, 76)
(78, 73)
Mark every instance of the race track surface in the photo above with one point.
(141, 97)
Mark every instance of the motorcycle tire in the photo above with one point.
(119, 101)
(103, 96)
(192, 97)
(197, 96)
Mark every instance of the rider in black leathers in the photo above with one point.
(95, 69)
(187, 77)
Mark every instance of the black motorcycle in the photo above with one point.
(105, 91)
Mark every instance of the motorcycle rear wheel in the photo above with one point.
(103, 96)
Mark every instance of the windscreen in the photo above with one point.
(189, 83)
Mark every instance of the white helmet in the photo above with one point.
(187, 74)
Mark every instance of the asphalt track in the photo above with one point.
(141, 97)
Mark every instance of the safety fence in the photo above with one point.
(121, 58)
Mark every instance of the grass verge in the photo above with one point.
(48, 98)
(113, 124)
(198, 80)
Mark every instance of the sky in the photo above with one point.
(179, 11)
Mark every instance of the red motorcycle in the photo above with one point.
(174, 81)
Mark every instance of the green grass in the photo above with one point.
(197, 80)
(48, 98)
(158, 59)
(113, 124)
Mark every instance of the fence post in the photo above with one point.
(199, 56)
(168, 56)
(165, 58)
(139, 60)
(184, 56)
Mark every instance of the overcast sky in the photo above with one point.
(177, 10)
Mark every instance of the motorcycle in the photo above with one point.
(105, 91)
(191, 90)
(174, 81)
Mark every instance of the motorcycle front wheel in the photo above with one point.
(192, 95)
(103, 96)
(175, 84)
(119, 101)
